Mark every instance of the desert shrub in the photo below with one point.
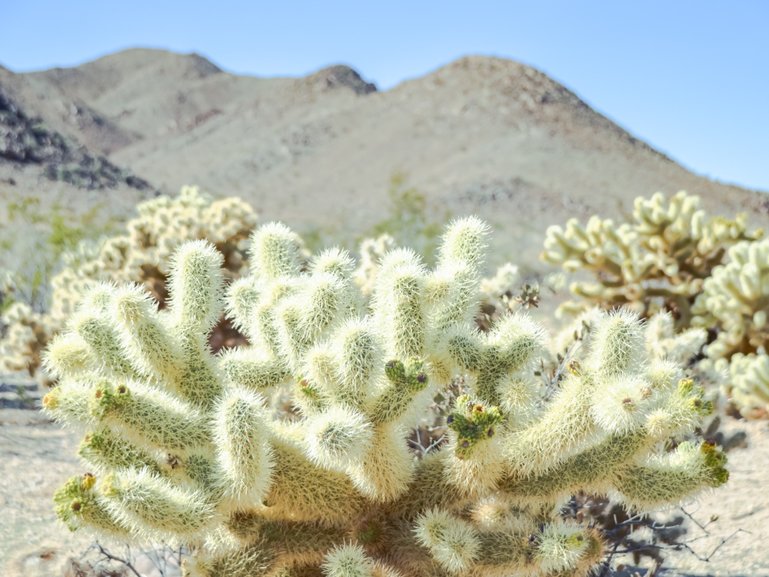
(184, 447)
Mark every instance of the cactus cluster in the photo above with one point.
(25, 337)
(735, 300)
(746, 380)
(661, 341)
(709, 272)
(657, 261)
(141, 254)
(182, 446)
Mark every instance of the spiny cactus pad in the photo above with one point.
(183, 446)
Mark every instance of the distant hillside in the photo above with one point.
(27, 141)
(480, 135)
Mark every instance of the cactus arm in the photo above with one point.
(106, 450)
(585, 471)
(405, 381)
(670, 478)
(252, 371)
(150, 417)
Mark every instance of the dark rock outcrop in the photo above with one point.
(25, 140)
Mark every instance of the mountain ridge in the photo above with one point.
(479, 134)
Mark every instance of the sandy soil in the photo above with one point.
(36, 456)
(742, 510)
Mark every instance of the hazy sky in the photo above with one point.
(691, 77)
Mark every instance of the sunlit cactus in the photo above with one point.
(657, 261)
(734, 304)
(746, 380)
(661, 341)
(143, 253)
(182, 446)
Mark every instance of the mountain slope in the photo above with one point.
(482, 135)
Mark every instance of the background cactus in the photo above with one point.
(26, 335)
(735, 299)
(141, 254)
(735, 304)
(184, 447)
(371, 250)
(746, 378)
(658, 261)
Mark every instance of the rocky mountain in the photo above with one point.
(25, 140)
(480, 135)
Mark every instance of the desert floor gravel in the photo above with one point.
(36, 456)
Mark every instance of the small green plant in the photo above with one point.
(48, 234)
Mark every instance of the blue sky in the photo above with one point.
(690, 77)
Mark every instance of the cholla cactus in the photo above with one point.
(657, 261)
(746, 380)
(506, 292)
(735, 299)
(141, 255)
(26, 335)
(371, 250)
(661, 341)
(184, 448)
(499, 291)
